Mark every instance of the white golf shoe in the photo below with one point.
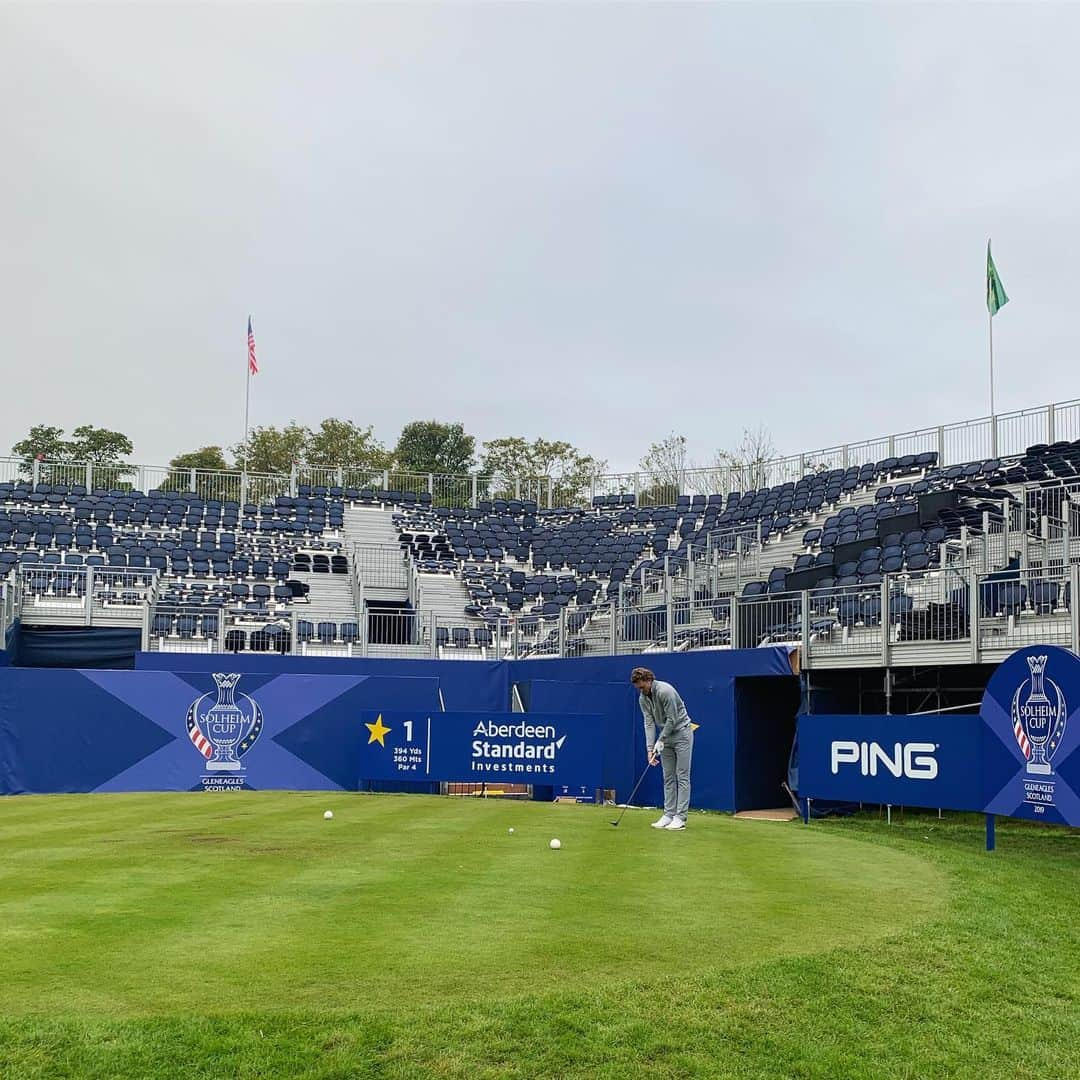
(675, 824)
(664, 822)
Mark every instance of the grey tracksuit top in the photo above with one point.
(663, 709)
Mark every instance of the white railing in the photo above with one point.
(1031, 607)
(984, 438)
(1004, 435)
(185, 628)
(85, 595)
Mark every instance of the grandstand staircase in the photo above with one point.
(445, 596)
(330, 599)
(369, 525)
(370, 538)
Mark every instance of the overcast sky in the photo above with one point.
(596, 222)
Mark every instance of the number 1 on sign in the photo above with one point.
(408, 731)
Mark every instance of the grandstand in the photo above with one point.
(907, 558)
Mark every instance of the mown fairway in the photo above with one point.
(243, 935)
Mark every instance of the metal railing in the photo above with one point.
(981, 438)
(394, 634)
(956, 614)
(10, 594)
(1032, 607)
(381, 566)
(64, 592)
(186, 628)
(85, 595)
(847, 621)
(699, 621)
(261, 632)
(767, 620)
(463, 639)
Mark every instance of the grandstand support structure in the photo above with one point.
(960, 616)
(901, 560)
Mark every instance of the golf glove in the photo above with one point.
(659, 746)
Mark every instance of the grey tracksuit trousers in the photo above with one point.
(675, 761)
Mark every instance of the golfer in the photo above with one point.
(664, 712)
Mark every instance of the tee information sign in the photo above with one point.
(515, 748)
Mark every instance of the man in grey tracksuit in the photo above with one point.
(664, 712)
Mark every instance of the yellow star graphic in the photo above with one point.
(378, 730)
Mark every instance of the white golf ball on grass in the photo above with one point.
(511, 830)
(329, 815)
(555, 845)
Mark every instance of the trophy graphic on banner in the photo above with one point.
(1040, 716)
(224, 725)
(224, 728)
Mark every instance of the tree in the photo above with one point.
(99, 447)
(427, 446)
(209, 458)
(206, 461)
(43, 443)
(341, 444)
(664, 468)
(513, 462)
(748, 463)
(273, 450)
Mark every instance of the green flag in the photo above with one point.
(996, 297)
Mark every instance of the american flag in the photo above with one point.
(1021, 736)
(253, 364)
(196, 736)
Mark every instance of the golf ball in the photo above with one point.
(555, 845)
(510, 831)
(328, 815)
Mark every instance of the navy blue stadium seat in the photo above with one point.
(1044, 596)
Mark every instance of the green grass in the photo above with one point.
(242, 935)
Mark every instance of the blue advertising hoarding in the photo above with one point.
(1031, 750)
(76, 731)
(558, 749)
(1019, 757)
(904, 760)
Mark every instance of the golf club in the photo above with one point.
(626, 806)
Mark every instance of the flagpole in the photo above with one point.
(995, 299)
(247, 416)
(993, 415)
(247, 404)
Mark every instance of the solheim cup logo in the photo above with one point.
(1039, 718)
(225, 729)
